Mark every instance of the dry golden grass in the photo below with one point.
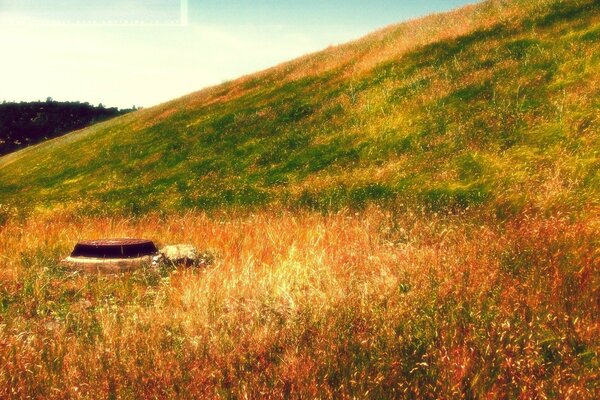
(369, 305)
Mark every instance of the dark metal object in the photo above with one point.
(114, 248)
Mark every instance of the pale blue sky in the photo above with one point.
(144, 52)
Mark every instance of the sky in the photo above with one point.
(144, 52)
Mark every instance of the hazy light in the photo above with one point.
(143, 52)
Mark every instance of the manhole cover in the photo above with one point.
(111, 255)
(114, 248)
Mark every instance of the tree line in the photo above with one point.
(26, 123)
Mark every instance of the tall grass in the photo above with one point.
(369, 305)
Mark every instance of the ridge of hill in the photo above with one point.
(492, 105)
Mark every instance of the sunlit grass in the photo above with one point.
(508, 85)
(411, 215)
(375, 304)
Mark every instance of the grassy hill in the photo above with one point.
(457, 159)
(493, 104)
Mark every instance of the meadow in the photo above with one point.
(494, 104)
(415, 214)
(373, 304)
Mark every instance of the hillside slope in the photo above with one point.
(495, 104)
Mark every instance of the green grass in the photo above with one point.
(474, 120)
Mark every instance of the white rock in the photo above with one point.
(183, 254)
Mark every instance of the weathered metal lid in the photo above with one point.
(111, 255)
(114, 248)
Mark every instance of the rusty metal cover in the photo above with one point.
(114, 248)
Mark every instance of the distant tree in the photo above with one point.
(23, 124)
